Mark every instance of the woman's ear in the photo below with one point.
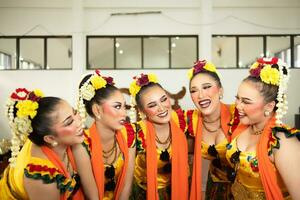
(270, 106)
(51, 140)
(97, 111)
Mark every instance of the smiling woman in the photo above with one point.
(161, 144)
(45, 164)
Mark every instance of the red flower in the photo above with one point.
(143, 80)
(109, 80)
(142, 136)
(97, 71)
(256, 71)
(199, 66)
(130, 134)
(181, 120)
(190, 122)
(273, 61)
(17, 94)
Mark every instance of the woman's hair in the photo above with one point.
(268, 91)
(213, 75)
(42, 123)
(100, 95)
(138, 97)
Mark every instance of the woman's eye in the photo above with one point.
(164, 99)
(118, 106)
(206, 87)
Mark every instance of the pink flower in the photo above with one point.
(143, 80)
(255, 72)
(33, 97)
(109, 80)
(199, 66)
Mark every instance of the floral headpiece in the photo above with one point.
(200, 66)
(21, 108)
(135, 87)
(88, 90)
(273, 71)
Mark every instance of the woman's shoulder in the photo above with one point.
(282, 134)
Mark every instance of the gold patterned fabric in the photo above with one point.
(247, 184)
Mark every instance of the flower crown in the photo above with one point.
(200, 66)
(139, 82)
(274, 72)
(88, 90)
(21, 108)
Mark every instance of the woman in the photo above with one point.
(109, 141)
(264, 153)
(161, 165)
(208, 124)
(45, 167)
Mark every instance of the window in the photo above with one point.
(139, 52)
(241, 51)
(35, 52)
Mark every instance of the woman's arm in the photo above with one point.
(37, 190)
(287, 161)
(129, 175)
(85, 172)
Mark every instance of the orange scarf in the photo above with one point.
(98, 165)
(196, 188)
(266, 169)
(52, 156)
(179, 177)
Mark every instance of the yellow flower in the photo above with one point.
(134, 88)
(270, 75)
(255, 65)
(98, 82)
(38, 93)
(190, 73)
(27, 108)
(210, 67)
(152, 78)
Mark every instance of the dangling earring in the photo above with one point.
(221, 96)
(266, 113)
(54, 144)
(98, 117)
(142, 115)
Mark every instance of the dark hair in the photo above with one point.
(42, 123)
(268, 91)
(142, 90)
(100, 95)
(211, 74)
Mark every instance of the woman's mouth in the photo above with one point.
(204, 103)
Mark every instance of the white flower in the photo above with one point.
(23, 125)
(87, 92)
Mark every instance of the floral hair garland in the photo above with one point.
(273, 71)
(200, 66)
(135, 87)
(88, 90)
(21, 108)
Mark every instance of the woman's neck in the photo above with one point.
(106, 134)
(261, 125)
(161, 128)
(60, 150)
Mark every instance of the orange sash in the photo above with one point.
(52, 156)
(179, 177)
(98, 165)
(196, 187)
(266, 169)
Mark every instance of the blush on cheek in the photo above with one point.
(194, 97)
(108, 110)
(150, 112)
(252, 110)
(213, 90)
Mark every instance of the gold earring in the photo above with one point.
(221, 96)
(142, 115)
(54, 144)
(98, 117)
(266, 113)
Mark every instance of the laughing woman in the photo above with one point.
(161, 165)
(264, 152)
(44, 168)
(208, 125)
(109, 142)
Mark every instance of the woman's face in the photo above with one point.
(205, 93)
(113, 111)
(250, 103)
(156, 105)
(67, 125)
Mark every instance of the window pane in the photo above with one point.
(31, 53)
(224, 51)
(7, 53)
(128, 53)
(59, 53)
(297, 51)
(183, 51)
(101, 53)
(250, 48)
(156, 52)
(279, 46)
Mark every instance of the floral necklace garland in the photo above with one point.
(21, 108)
